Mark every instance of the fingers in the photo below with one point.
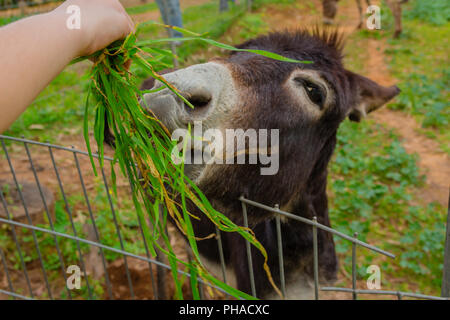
(130, 26)
(130, 23)
(104, 22)
(129, 20)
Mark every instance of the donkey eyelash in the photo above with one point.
(314, 91)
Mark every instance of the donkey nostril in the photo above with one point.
(198, 101)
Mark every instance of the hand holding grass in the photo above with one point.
(36, 49)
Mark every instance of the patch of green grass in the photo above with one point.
(426, 98)
(59, 106)
(355, 54)
(7, 20)
(436, 12)
(259, 3)
(252, 25)
(206, 19)
(372, 185)
(419, 59)
(152, 6)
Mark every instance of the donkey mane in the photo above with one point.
(307, 41)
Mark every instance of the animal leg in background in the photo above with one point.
(361, 13)
(396, 8)
(329, 10)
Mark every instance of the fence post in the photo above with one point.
(249, 253)
(171, 15)
(355, 296)
(223, 5)
(446, 273)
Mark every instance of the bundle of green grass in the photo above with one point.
(143, 152)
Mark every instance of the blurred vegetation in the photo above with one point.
(374, 183)
(435, 12)
(420, 60)
(152, 6)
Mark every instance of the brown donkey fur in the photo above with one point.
(307, 103)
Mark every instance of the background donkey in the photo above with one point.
(330, 11)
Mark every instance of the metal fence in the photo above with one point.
(36, 248)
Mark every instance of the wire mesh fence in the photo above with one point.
(56, 216)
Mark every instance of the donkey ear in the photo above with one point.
(369, 96)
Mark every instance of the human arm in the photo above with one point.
(33, 51)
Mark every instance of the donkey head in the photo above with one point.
(305, 102)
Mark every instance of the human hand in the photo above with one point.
(102, 22)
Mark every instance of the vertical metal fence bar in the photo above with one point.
(189, 259)
(201, 291)
(47, 211)
(280, 254)
(125, 261)
(94, 225)
(162, 258)
(147, 251)
(5, 266)
(173, 48)
(445, 290)
(222, 259)
(249, 253)
(355, 297)
(19, 250)
(69, 213)
(316, 260)
(11, 167)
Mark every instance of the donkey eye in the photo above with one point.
(314, 92)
